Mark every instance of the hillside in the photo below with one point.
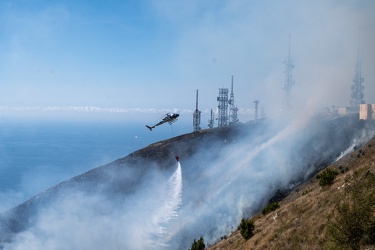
(302, 220)
(147, 200)
(120, 179)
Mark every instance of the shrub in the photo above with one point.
(270, 207)
(354, 223)
(327, 177)
(224, 237)
(198, 245)
(352, 227)
(246, 228)
(345, 230)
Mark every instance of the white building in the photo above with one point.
(367, 112)
(347, 110)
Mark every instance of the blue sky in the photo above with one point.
(154, 54)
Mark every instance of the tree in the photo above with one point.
(198, 245)
(246, 228)
(327, 177)
(270, 207)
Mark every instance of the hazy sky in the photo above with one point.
(154, 54)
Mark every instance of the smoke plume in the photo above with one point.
(225, 180)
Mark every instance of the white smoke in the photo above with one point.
(223, 182)
(81, 221)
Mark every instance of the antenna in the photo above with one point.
(231, 93)
(212, 120)
(196, 116)
(196, 101)
(256, 102)
(357, 87)
(233, 110)
(288, 82)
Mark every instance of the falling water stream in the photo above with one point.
(169, 208)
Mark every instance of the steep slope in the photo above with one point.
(123, 176)
(302, 220)
(227, 173)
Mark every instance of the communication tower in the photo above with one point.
(357, 87)
(211, 121)
(196, 116)
(222, 108)
(256, 102)
(289, 81)
(233, 110)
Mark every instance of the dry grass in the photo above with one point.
(301, 220)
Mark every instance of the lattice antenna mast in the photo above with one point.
(256, 102)
(222, 108)
(288, 82)
(196, 116)
(357, 87)
(211, 121)
(233, 110)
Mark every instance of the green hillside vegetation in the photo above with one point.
(334, 210)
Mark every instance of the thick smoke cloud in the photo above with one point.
(76, 220)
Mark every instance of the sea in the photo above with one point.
(38, 154)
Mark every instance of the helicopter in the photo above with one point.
(169, 117)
